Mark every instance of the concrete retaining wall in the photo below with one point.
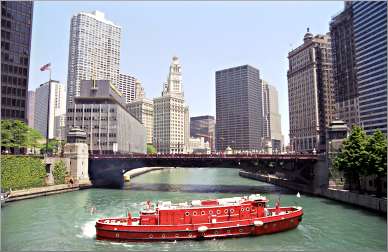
(138, 171)
(278, 181)
(366, 201)
(40, 191)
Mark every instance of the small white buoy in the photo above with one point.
(298, 195)
(202, 229)
(258, 223)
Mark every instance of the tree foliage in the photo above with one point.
(362, 155)
(151, 149)
(59, 172)
(21, 172)
(52, 147)
(16, 134)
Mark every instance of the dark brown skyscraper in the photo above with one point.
(344, 66)
(16, 26)
(203, 126)
(238, 109)
(310, 93)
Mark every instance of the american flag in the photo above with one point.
(45, 67)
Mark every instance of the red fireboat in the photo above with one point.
(201, 219)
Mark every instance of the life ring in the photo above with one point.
(203, 229)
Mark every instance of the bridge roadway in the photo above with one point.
(108, 170)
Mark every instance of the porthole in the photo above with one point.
(226, 211)
(194, 213)
(190, 234)
(218, 211)
(216, 232)
(242, 209)
(187, 213)
(240, 230)
(228, 231)
(176, 235)
(163, 236)
(247, 209)
(210, 211)
(231, 210)
(203, 213)
(151, 236)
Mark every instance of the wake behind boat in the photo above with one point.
(201, 219)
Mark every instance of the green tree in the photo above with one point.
(59, 172)
(353, 157)
(52, 147)
(377, 158)
(33, 138)
(151, 149)
(14, 134)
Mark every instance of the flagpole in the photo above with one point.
(48, 110)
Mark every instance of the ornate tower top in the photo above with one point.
(308, 35)
(174, 79)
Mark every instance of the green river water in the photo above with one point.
(66, 222)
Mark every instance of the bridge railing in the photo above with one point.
(216, 156)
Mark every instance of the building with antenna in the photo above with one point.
(310, 93)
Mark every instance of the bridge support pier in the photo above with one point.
(77, 151)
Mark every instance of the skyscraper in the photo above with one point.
(370, 41)
(94, 51)
(143, 110)
(344, 66)
(238, 109)
(271, 117)
(126, 86)
(56, 108)
(16, 26)
(310, 93)
(203, 126)
(171, 114)
(31, 108)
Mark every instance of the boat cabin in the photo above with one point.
(205, 211)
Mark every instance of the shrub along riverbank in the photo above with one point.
(19, 172)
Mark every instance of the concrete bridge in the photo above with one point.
(307, 170)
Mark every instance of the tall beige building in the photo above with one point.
(171, 126)
(310, 93)
(271, 117)
(143, 110)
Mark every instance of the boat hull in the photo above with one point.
(227, 229)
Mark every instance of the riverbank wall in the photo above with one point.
(139, 171)
(55, 189)
(40, 191)
(366, 201)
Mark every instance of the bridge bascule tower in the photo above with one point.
(76, 150)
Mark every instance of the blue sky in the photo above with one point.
(206, 36)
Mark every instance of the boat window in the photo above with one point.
(231, 210)
(210, 211)
(247, 208)
(226, 210)
(203, 213)
(218, 211)
(242, 209)
(187, 213)
(194, 213)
